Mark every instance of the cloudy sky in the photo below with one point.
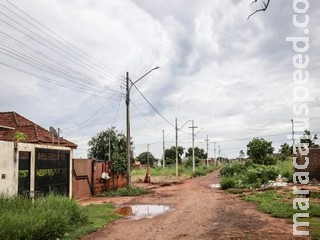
(63, 64)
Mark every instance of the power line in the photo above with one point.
(154, 107)
(61, 52)
(18, 58)
(70, 44)
(92, 116)
(35, 55)
(50, 80)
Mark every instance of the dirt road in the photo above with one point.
(200, 213)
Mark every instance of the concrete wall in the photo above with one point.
(9, 166)
(314, 163)
(8, 169)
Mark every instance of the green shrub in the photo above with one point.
(232, 169)
(227, 183)
(260, 173)
(48, 218)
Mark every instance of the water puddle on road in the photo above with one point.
(214, 186)
(149, 211)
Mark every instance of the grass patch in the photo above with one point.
(171, 171)
(315, 227)
(47, 218)
(133, 191)
(99, 215)
(278, 205)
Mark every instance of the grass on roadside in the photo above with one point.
(47, 218)
(132, 191)
(171, 171)
(99, 215)
(279, 205)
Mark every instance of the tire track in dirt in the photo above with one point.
(201, 213)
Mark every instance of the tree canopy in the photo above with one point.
(99, 148)
(309, 139)
(170, 155)
(258, 150)
(285, 150)
(143, 158)
(198, 152)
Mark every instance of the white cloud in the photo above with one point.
(233, 77)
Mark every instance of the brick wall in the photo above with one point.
(314, 163)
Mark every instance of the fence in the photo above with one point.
(314, 163)
(89, 178)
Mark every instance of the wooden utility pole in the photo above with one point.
(176, 147)
(163, 148)
(128, 132)
(207, 141)
(147, 178)
(193, 161)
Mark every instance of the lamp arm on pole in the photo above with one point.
(133, 83)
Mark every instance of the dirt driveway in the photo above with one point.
(200, 213)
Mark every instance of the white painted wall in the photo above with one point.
(9, 167)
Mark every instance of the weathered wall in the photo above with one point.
(314, 163)
(9, 165)
(8, 169)
(87, 178)
(81, 178)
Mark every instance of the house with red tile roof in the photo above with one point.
(12, 122)
(36, 165)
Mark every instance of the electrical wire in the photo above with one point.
(154, 108)
(49, 45)
(70, 44)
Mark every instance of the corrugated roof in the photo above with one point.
(34, 132)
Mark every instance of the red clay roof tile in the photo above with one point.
(34, 132)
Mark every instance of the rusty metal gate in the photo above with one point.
(52, 171)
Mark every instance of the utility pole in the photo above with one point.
(109, 155)
(148, 155)
(177, 147)
(128, 132)
(207, 141)
(163, 148)
(129, 85)
(214, 150)
(292, 124)
(193, 163)
(148, 177)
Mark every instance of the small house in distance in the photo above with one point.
(37, 163)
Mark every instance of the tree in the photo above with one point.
(198, 152)
(285, 150)
(241, 154)
(143, 158)
(258, 150)
(99, 148)
(170, 155)
(309, 139)
(20, 137)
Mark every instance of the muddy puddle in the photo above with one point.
(214, 186)
(136, 212)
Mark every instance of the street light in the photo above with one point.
(129, 85)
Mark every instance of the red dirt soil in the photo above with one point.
(201, 213)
